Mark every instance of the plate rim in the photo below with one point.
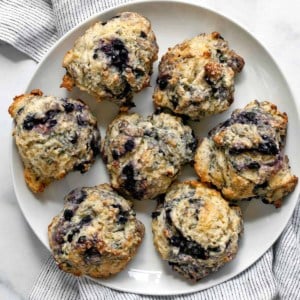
(140, 2)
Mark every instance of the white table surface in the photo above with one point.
(276, 24)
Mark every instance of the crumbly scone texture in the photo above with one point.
(195, 230)
(113, 59)
(196, 77)
(243, 156)
(144, 155)
(96, 234)
(54, 136)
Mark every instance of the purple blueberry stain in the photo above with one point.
(116, 51)
(76, 196)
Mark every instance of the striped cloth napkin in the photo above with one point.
(33, 27)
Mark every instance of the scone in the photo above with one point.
(195, 230)
(243, 157)
(144, 155)
(96, 234)
(54, 136)
(196, 77)
(113, 59)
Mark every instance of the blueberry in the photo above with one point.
(50, 114)
(208, 80)
(265, 201)
(220, 92)
(115, 154)
(220, 56)
(122, 219)
(247, 117)
(253, 165)
(130, 184)
(162, 81)
(118, 206)
(236, 151)
(129, 145)
(268, 147)
(59, 237)
(143, 34)
(138, 73)
(69, 107)
(193, 144)
(71, 235)
(262, 185)
(128, 171)
(117, 53)
(76, 196)
(20, 110)
(92, 255)
(175, 101)
(188, 247)
(86, 219)
(81, 167)
(81, 121)
(74, 138)
(82, 239)
(155, 214)
(126, 91)
(94, 144)
(176, 241)
(52, 123)
(68, 214)
(70, 238)
(29, 122)
(214, 249)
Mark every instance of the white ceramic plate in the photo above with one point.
(261, 79)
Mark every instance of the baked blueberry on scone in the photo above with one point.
(144, 155)
(54, 136)
(195, 230)
(113, 59)
(96, 233)
(243, 156)
(196, 77)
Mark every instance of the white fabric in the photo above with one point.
(32, 27)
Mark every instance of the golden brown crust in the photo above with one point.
(34, 184)
(17, 101)
(67, 82)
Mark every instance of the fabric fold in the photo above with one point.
(28, 26)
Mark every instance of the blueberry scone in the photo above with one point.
(144, 155)
(113, 59)
(243, 156)
(54, 136)
(195, 230)
(196, 77)
(96, 234)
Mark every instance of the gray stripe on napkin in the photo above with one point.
(28, 26)
(69, 13)
(52, 283)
